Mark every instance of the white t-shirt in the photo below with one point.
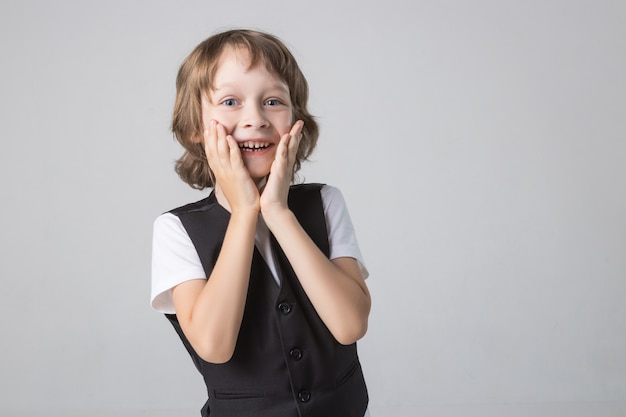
(175, 260)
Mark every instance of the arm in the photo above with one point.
(336, 288)
(210, 311)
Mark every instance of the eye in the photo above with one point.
(229, 102)
(273, 102)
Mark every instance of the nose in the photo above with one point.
(254, 116)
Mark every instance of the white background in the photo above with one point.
(480, 146)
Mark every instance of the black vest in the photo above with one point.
(286, 362)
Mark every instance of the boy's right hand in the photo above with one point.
(231, 175)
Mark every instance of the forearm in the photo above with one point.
(335, 288)
(214, 318)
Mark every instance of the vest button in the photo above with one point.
(304, 396)
(296, 354)
(284, 307)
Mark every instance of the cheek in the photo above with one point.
(221, 117)
(285, 123)
(207, 112)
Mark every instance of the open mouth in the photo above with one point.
(254, 146)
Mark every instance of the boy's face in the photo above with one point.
(253, 105)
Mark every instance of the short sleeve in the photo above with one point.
(341, 233)
(174, 260)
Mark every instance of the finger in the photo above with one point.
(296, 129)
(283, 147)
(234, 151)
(223, 148)
(210, 141)
(296, 136)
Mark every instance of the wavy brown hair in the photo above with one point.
(195, 79)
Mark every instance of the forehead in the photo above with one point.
(242, 57)
(235, 62)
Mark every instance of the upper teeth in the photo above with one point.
(255, 145)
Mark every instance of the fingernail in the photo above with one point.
(212, 122)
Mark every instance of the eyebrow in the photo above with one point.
(277, 86)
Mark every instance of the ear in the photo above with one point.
(197, 139)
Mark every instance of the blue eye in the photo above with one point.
(273, 102)
(230, 102)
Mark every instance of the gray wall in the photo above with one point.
(480, 146)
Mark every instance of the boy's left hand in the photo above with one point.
(276, 190)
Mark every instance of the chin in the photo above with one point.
(258, 173)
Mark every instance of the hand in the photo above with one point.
(276, 190)
(231, 176)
